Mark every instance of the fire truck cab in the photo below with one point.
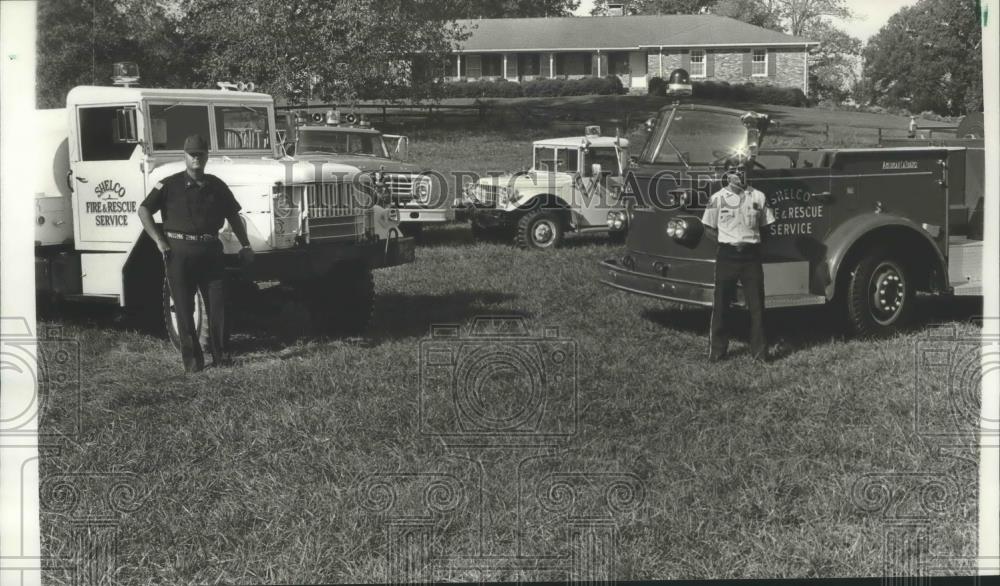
(417, 195)
(312, 225)
(866, 228)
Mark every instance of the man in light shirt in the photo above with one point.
(735, 217)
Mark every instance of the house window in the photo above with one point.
(618, 64)
(529, 64)
(697, 63)
(451, 66)
(759, 62)
(574, 64)
(473, 66)
(492, 65)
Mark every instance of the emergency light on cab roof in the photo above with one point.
(679, 84)
(125, 73)
(238, 86)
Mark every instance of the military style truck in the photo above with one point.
(574, 185)
(416, 194)
(313, 226)
(863, 229)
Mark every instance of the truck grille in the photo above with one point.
(487, 194)
(336, 212)
(400, 186)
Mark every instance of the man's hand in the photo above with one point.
(164, 247)
(246, 256)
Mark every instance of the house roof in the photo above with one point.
(618, 32)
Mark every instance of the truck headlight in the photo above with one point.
(507, 195)
(616, 220)
(682, 229)
(422, 189)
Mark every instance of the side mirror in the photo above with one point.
(126, 129)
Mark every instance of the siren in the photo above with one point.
(318, 117)
(238, 86)
(351, 118)
(333, 117)
(592, 131)
(679, 84)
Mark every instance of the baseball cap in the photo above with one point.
(195, 144)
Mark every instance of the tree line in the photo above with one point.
(927, 56)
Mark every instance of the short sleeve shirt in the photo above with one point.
(738, 217)
(188, 207)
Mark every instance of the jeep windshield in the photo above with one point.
(695, 138)
(340, 143)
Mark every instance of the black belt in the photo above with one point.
(197, 237)
(742, 247)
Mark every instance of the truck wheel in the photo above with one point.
(539, 229)
(170, 318)
(879, 296)
(344, 301)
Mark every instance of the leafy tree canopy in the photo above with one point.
(512, 8)
(927, 57)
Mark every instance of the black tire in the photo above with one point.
(879, 296)
(343, 302)
(540, 229)
(170, 323)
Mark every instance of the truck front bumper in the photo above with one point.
(428, 215)
(617, 276)
(319, 259)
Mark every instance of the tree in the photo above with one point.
(656, 7)
(513, 8)
(927, 57)
(802, 15)
(79, 41)
(327, 49)
(834, 63)
(762, 13)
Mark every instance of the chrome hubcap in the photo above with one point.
(888, 293)
(543, 233)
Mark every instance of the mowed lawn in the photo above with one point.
(263, 472)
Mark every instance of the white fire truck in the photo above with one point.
(314, 226)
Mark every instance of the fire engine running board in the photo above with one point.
(771, 302)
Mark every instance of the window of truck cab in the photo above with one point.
(556, 159)
(229, 128)
(171, 122)
(242, 127)
(695, 137)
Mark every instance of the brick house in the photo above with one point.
(635, 48)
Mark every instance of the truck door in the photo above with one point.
(596, 196)
(108, 178)
(801, 199)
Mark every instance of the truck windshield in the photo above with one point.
(340, 143)
(172, 123)
(606, 157)
(695, 138)
(242, 128)
(559, 160)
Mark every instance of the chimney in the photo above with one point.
(616, 9)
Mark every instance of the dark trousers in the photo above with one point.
(733, 266)
(196, 266)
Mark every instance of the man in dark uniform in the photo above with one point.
(193, 206)
(735, 216)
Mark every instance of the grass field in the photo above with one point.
(306, 462)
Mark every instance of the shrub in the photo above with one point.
(657, 86)
(748, 92)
